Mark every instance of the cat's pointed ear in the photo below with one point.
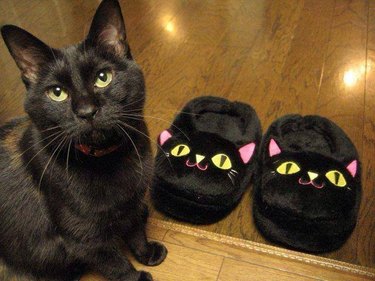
(164, 136)
(352, 167)
(273, 148)
(28, 51)
(107, 29)
(246, 152)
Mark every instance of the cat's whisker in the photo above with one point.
(49, 161)
(133, 116)
(135, 101)
(79, 140)
(234, 171)
(49, 129)
(138, 131)
(53, 54)
(75, 150)
(85, 32)
(66, 139)
(135, 147)
(180, 112)
(67, 159)
(131, 111)
(36, 143)
(44, 147)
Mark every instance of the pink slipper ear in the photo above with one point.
(273, 148)
(247, 152)
(164, 136)
(352, 168)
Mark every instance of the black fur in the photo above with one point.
(64, 212)
(316, 217)
(209, 126)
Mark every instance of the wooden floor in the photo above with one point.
(297, 56)
(199, 255)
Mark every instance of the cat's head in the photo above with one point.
(206, 156)
(308, 182)
(84, 90)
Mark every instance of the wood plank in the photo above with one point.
(366, 224)
(242, 271)
(342, 90)
(341, 96)
(205, 22)
(247, 24)
(261, 73)
(156, 24)
(263, 255)
(155, 232)
(92, 277)
(222, 66)
(185, 264)
(301, 75)
(173, 75)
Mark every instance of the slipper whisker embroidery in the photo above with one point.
(230, 176)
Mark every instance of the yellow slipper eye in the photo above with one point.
(336, 178)
(180, 150)
(57, 94)
(288, 168)
(222, 161)
(103, 79)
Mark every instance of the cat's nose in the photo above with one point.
(312, 175)
(87, 111)
(199, 158)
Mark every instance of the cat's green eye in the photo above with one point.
(57, 94)
(288, 168)
(103, 79)
(180, 150)
(336, 178)
(222, 161)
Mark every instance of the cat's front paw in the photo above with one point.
(156, 253)
(145, 276)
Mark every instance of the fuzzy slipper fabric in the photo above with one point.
(205, 160)
(308, 187)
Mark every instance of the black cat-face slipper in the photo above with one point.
(206, 160)
(308, 187)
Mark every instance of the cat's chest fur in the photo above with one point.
(85, 201)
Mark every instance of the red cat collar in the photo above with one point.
(89, 150)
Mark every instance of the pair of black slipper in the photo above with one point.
(306, 173)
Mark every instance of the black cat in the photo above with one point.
(73, 174)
